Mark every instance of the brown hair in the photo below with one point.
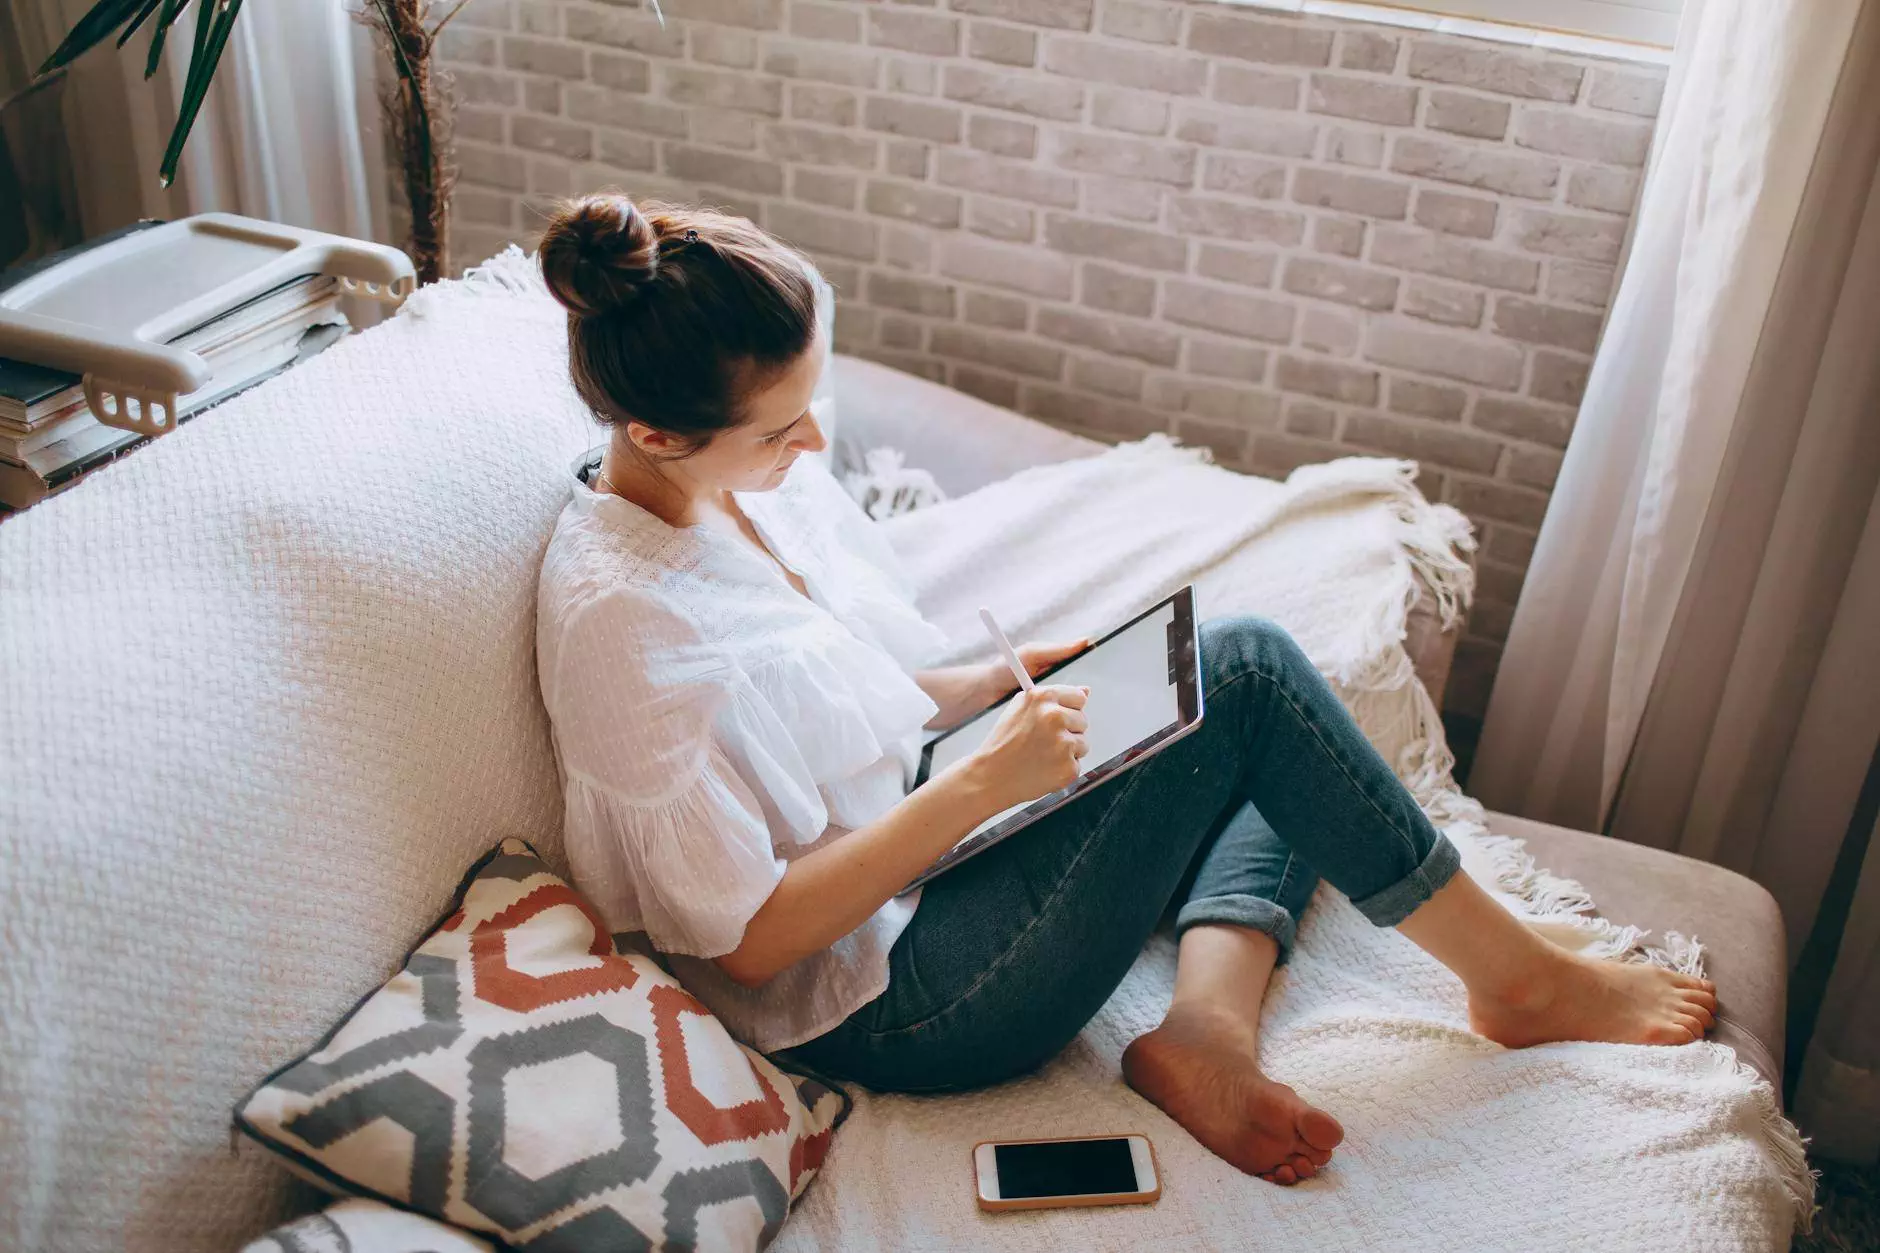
(674, 314)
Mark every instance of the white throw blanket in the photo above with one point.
(1452, 1140)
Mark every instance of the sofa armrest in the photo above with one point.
(964, 442)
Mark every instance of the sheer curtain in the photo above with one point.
(1690, 665)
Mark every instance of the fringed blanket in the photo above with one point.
(1452, 1140)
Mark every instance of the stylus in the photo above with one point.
(1005, 646)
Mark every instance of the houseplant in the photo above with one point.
(416, 105)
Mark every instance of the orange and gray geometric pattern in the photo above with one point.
(524, 1078)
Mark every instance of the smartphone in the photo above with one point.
(1082, 1170)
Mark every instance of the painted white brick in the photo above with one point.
(1351, 385)
(1455, 214)
(1147, 69)
(1253, 39)
(1066, 14)
(1361, 194)
(1016, 269)
(1267, 133)
(1511, 173)
(1130, 245)
(1248, 267)
(1523, 419)
(974, 172)
(1366, 99)
(1367, 50)
(1228, 312)
(1007, 45)
(1138, 341)
(1409, 249)
(1116, 291)
(1553, 325)
(913, 204)
(1173, 164)
(1481, 117)
(1144, 23)
(1139, 113)
(1227, 219)
(1603, 188)
(995, 89)
(1263, 89)
(1622, 92)
(1001, 219)
(1450, 304)
(1574, 235)
(912, 31)
(1345, 145)
(1614, 141)
(1446, 354)
(1006, 312)
(1257, 177)
(1489, 68)
(915, 119)
(1334, 331)
(1335, 280)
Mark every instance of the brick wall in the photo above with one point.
(1287, 238)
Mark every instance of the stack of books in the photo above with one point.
(48, 436)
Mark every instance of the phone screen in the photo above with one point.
(1065, 1168)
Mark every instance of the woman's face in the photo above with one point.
(777, 430)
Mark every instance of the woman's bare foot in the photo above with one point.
(1199, 1068)
(1581, 998)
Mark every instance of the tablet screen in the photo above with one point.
(1133, 696)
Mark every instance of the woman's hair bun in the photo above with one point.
(598, 252)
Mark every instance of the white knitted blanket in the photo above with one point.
(1452, 1141)
(267, 687)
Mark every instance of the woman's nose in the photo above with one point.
(814, 442)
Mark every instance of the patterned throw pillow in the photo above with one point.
(524, 1078)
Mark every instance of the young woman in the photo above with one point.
(734, 669)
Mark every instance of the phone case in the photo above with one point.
(1065, 1202)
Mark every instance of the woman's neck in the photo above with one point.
(670, 502)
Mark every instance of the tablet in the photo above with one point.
(1145, 693)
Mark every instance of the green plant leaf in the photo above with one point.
(172, 10)
(97, 24)
(211, 37)
(130, 28)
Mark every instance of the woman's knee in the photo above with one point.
(1237, 644)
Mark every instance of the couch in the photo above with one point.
(267, 687)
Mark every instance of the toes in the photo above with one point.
(1302, 1167)
(1693, 1024)
(1317, 1156)
(1283, 1175)
(1673, 1030)
(1319, 1129)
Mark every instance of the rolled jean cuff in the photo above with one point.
(1401, 899)
(1252, 912)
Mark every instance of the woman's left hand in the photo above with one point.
(1037, 658)
(960, 691)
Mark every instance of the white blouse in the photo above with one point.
(712, 724)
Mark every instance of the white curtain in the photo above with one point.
(1691, 662)
(288, 133)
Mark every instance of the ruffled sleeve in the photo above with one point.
(663, 831)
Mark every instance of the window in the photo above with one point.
(1649, 26)
(1636, 21)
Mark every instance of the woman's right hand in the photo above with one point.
(1034, 747)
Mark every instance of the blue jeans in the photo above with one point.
(1011, 953)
